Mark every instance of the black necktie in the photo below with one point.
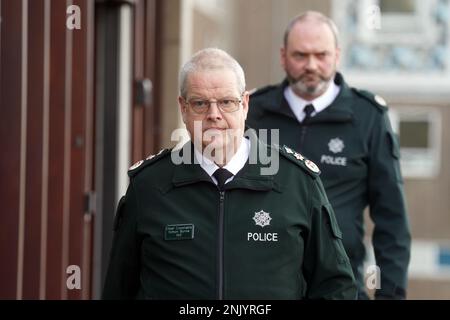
(309, 109)
(221, 176)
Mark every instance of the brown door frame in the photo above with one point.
(144, 112)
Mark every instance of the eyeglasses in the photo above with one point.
(227, 105)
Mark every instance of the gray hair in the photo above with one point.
(312, 15)
(210, 59)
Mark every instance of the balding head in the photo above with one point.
(312, 16)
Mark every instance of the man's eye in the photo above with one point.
(199, 103)
(299, 55)
(226, 102)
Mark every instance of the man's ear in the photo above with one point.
(245, 103)
(283, 56)
(183, 108)
(338, 56)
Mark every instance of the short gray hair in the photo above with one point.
(210, 59)
(312, 15)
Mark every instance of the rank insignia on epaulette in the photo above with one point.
(307, 165)
(312, 166)
(298, 156)
(288, 150)
(150, 157)
(140, 165)
(380, 100)
(136, 165)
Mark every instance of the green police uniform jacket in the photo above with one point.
(265, 237)
(353, 144)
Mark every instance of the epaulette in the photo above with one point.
(258, 91)
(141, 164)
(374, 99)
(307, 165)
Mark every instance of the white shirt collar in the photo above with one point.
(236, 163)
(298, 104)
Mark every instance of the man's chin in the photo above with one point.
(216, 144)
(213, 132)
(310, 88)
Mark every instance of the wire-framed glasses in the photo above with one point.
(227, 105)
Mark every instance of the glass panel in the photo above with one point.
(397, 6)
(414, 134)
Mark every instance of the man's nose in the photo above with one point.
(213, 111)
(311, 63)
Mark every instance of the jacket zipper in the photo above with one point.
(220, 247)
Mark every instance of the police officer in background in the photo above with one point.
(204, 222)
(346, 131)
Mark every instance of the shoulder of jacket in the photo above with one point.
(307, 165)
(259, 91)
(151, 159)
(374, 99)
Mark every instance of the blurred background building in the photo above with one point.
(79, 103)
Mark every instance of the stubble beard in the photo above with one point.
(302, 89)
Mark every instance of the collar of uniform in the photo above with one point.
(341, 109)
(235, 164)
(278, 103)
(344, 99)
(188, 171)
(250, 177)
(297, 104)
